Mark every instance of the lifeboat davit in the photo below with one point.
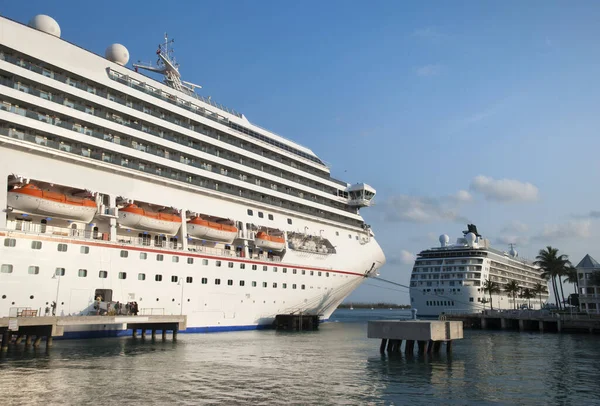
(135, 217)
(269, 242)
(31, 199)
(197, 227)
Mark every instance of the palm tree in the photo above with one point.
(512, 288)
(491, 287)
(539, 289)
(552, 266)
(571, 277)
(528, 294)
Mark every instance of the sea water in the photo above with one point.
(336, 365)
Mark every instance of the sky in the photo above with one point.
(456, 112)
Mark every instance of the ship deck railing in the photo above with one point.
(62, 234)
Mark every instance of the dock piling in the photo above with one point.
(164, 334)
(382, 346)
(49, 342)
(37, 341)
(5, 339)
(28, 341)
(153, 334)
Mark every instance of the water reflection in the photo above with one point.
(336, 365)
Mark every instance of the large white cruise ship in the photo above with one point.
(119, 187)
(451, 278)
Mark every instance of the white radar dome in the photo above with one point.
(45, 24)
(444, 240)
(470, 237)
(117, 53)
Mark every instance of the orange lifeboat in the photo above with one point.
(269, 242)
(198, 227)
(135, 217)
(32, 199)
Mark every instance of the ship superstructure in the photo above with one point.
(451, 277)
(116, 186)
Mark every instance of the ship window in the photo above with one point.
(174, 278)
(141, 276)
(350, 236)
(253, 284)
(274, 284)
(270, 217)
(33, 270)
(470, 299)
(205, 262)
(250, 212)
(312, 273)
(327, 274)
(303, 272)
(102, 274)
(158, 278)
(242, 266)
(356, 238)
(284, 285)
(218, 263)
(265, 268)
(62, 247)
(294, 286)
(190, 261)
(143, 255)
(303, 287)
(122, 275)
(264, 284)
(6, 268)
(260, 214)
(289, 221)
(230, 264)
(204, 281)
(36, 245)
(189, 279)
(242, 283)
(254, 267)
(124, 254)
(175, 258)
(82, 273)
(294, 271)
(274, 269)
(84, 249)
(160, 257)
(217, 281)
(230, 282)
(284, 270)
(337, 233)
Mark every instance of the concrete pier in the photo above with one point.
(428, 334)
(530, 320)
(50, 326)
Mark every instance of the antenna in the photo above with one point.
(167, 66)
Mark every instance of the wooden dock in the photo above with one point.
(34, 329)
(529, 320)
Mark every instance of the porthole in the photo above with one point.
(3, 296)
(31, 297)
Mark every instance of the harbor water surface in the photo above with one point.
(335, 365)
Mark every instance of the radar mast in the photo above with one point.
(166, 65)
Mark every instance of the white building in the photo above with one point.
(589, 295)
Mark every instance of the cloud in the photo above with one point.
(422, 209)
(515, 227)
(572, 229)
(403, 257)
(504, 190)
(429, 70)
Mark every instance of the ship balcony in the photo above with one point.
(67, 235)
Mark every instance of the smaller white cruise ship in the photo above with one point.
(450, 278)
